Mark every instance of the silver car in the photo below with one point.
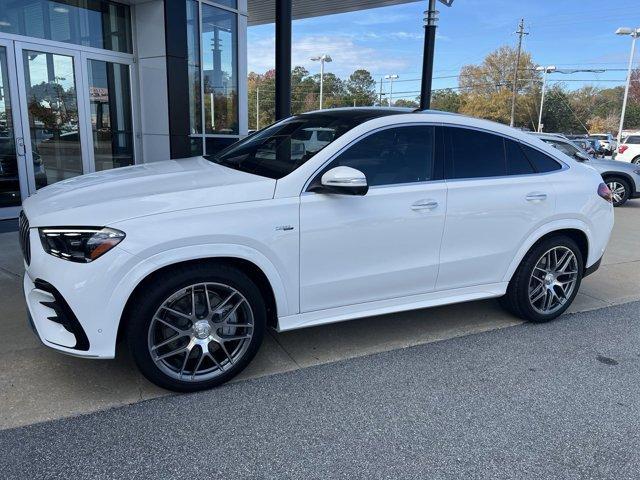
(623, 179)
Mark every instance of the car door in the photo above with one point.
(497, 195)
(385, 244)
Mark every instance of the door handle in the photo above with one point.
(424, 205)
(536, 197)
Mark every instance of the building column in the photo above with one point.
(283, 58)
(175, 15)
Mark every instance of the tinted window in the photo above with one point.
(392, 156)
(517, 162)
(633, 140)
(475, 154)
(278, 150)
(541, 161)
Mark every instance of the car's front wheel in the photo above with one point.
(547, 280)
(196, 327)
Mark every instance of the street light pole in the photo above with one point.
(322, 59)
(635, 33)
(546, 70)
(391, 78)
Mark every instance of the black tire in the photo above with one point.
(636, 160)
(152, 295)
(617, 183)
(517, 300)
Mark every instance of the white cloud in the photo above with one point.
(347, 55)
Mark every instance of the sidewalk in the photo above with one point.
(37, 384)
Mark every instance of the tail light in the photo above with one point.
(622, 148)
(605, 192)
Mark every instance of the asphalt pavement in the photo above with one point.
(557, 400)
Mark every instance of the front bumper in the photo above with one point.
(71, 305)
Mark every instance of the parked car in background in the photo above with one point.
(606, 140)
(622, 179)
(399, 211)
(585, 144)
(629, 151)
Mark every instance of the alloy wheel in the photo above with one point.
(200, 331)
(618, 191)
(553, 280)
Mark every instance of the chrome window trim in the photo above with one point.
(563, 164)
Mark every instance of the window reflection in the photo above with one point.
(53, 116)
(219, 64)
(92, 23)
(111, 123)
(9, 181)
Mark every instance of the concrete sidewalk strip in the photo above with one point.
(37, 384)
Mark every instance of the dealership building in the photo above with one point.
(90, 85)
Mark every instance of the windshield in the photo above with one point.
(278, 150)
(564, 147)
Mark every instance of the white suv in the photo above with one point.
(191, 260)
(629, 150)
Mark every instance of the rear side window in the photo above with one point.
(633, 140)
(391, 156)
(474, 154)
(517, 162)
(541, 161)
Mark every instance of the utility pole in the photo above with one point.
(635, 33)
(520, 33)
(381, 91)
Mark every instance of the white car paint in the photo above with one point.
(629, 152)
(338, 258)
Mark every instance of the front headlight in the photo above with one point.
(82, 245)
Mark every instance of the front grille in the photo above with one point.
(23, 237)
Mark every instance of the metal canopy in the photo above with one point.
(263, 11)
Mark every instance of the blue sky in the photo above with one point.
(565, 33)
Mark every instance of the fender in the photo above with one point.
(147, 266)
(537, 234)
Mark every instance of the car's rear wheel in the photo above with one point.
(620, 190)
(636, 160)
(547, 280)
(196, 327)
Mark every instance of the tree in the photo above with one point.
(634, 86)
(486, 88)
(361, 88)
(447, 100)
(403, 102)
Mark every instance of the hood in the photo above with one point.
(104, 198)
(603, 165)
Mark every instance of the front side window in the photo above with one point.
(474, 154)
(392, 156)
(278, 150)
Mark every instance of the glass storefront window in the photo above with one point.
(91, 23)
(193, 60)
(111, 122)
(9, 181)
(219, 43)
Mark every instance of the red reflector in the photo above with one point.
(605, 192)
(622, 148)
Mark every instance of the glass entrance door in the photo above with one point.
(54, 121)
(13, 185)
(63, 112)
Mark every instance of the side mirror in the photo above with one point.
(581, 156)
(343, 181)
